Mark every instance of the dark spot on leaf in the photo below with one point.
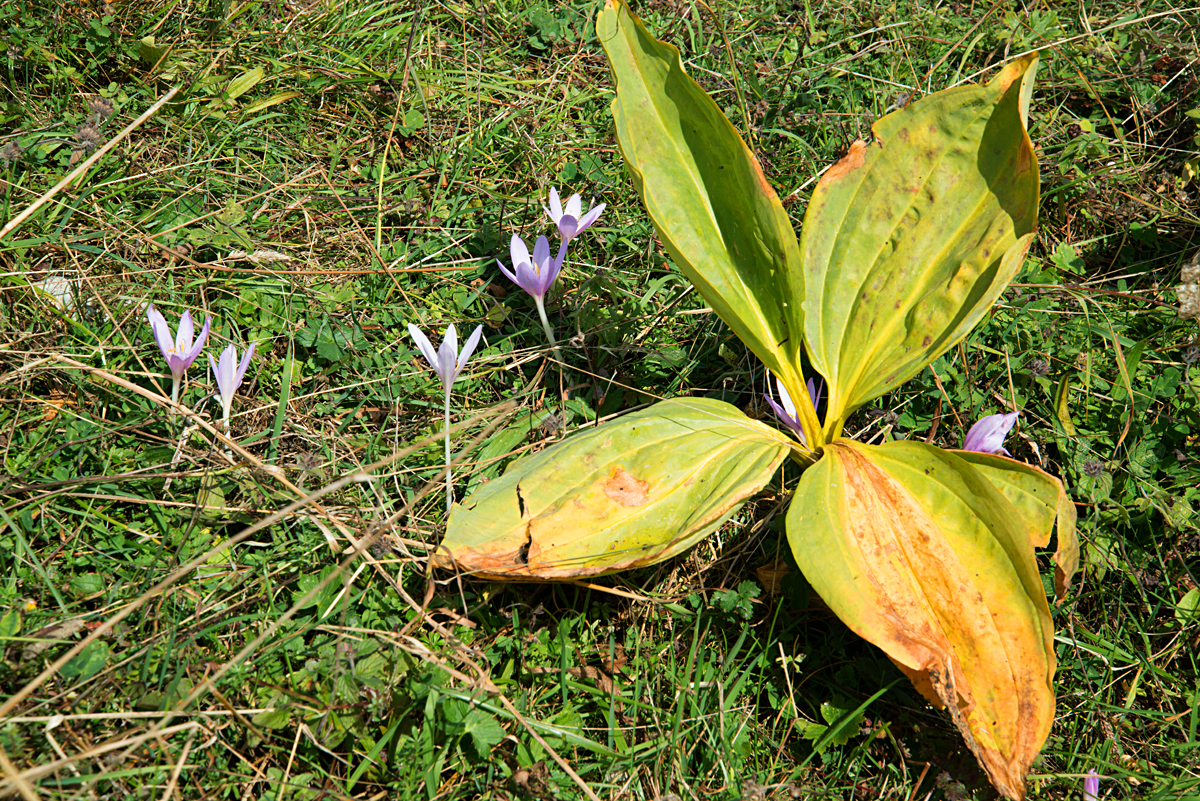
(520, 502)
(523, 553)
(926, 341)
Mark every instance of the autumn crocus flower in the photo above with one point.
(229, 374)
(536, 274)
(987, 435)
(569, 221)
(447, 361)
(785, 410)
(179, 352)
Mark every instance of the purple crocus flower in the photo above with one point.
(535, 274)
(787, 411)
(179, 352)
(1091, 786)
(987, 435)
(447, 361)
(570, 223)
(229, 374)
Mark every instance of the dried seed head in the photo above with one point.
(87, 137)
(11, 151)
(100, 107)
(1074, 130)
(1039, 367)
(1093, 468)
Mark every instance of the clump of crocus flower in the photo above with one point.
(987, 435)
(447, 361)
(229, 374)
(180, 351)
(537, 274)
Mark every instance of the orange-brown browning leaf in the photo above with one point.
(921, 555)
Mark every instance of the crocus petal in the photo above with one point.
(987, 435)
(541, 252)
(1091, 786)
(504, 270)
(216, 370)
(425, 346)
(589, 218)
(226, 369)
(574, 206)
(785, 418)
(815, 390)
(555, 211)
(241, 371)
(447, 356)
(518, 251)
(190, 355)
(162, 332)
(183, 336)
(553, 267)
(468, 349)
(529, 279)
(543, 267)
(786, 398)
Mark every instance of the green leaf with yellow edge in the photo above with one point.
(710, 202)
(629, 493)
(919, 553)
(908, 241)
(1042, 503)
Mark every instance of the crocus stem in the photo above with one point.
(225, 428)
(174, 391)
(541, 307)
(449, 490)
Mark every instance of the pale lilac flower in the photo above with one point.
(229, 374)
(987, 435)
(787, 411)
(570, 223)
(535, 275)
(447, 361)
(1091, 786)
(179, 352)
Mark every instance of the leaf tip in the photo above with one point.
(853, 160)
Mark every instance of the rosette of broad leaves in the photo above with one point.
(907, 242)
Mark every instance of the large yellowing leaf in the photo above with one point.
(712, 206)
(909, 240)
(1041, 502)
(920, 554)
(629, 493)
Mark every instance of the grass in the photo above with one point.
(388, 151)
